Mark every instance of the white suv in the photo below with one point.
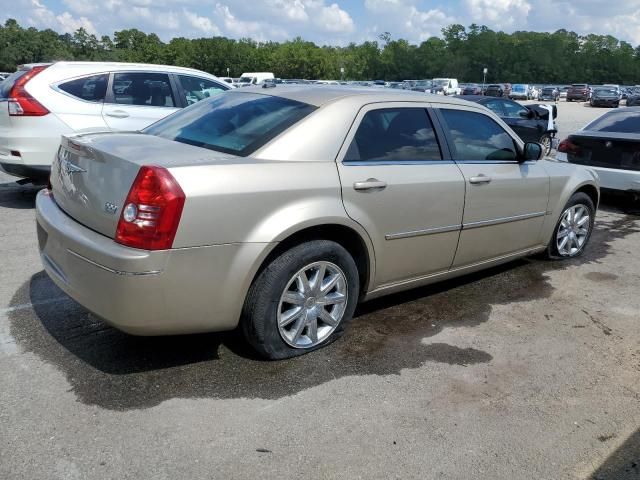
(41, 102)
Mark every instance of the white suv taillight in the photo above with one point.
(21, 104)
(152, 210)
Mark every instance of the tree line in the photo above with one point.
(461, 52)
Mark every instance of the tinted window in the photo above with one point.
(623, 122)
(196, 89)
(394, 134)
(151, 89)
(495, 106)
(90, 89)
(477, 137)
(513, 110)
(237, 123)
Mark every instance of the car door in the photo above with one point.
(506, 200)
(88, 94)
(522, 121)
(192, 89)
(135, 100)
(399, 186)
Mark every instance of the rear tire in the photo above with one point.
(285, 315)
(545, 141)
(572, 232)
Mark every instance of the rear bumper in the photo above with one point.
(36, 172)
(165, 292)
(605, 103)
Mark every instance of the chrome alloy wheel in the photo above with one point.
(312, 304)
(573, 230)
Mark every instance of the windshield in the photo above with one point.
(623, 121)
(519, 88)
(245, 79)
(606, 91)
(236, 123)
(440, 82)
(423, 83)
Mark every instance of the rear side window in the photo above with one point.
(513, 110)
(90, 89)
(394, 134)
(150, 89)
(622, 122)
(495, 106)
(196, 89)
(477, 137)
(236, 123)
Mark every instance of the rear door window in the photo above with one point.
(621, 122)
(195, 88)
(394, 134)
(89, 89)
(145, 89)
(476, 136)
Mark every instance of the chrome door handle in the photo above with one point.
(117, 114)
(370, 184)
(480, 179)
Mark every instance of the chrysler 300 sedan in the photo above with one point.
(277, 210)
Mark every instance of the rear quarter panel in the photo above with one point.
(565, 180)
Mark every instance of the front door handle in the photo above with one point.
(369, 184)
(117, 114)
(482, 178)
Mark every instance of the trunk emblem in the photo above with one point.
(608, 144)
(110, 208)
(71, 168)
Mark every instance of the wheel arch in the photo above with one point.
(353, 239)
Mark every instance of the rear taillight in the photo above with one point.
(567, 146)
(152, 210)
(21, 104)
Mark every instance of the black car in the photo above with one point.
(472, 89)
(633, 97)
(605, 97)
(549, 93)
(495, 90)
(530, 122)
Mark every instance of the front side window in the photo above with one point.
(477, 137)
(236, 123)
(89, 89)
(496, 107)
(394, 134)
(513, 110)
(196, 89)
(145, 89)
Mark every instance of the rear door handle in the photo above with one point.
(370, 184)
(482, 178)
(117, 114)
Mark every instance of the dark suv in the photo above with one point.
(578, 91)
(498, 90)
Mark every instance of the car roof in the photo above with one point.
(320, 95)
(117, 66)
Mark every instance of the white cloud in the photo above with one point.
(499, 13)
(202, 24)
(334, 19)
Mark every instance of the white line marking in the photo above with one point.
(24, 306)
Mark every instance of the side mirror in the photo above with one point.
(526, 114)
(532, 151)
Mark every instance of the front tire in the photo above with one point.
(574, 227)
(545, 141)
(303, 300)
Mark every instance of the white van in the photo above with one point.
(254, 78)
(446, 86)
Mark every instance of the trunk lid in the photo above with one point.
(92, 173)
(606, 149)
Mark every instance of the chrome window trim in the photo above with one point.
(419, 233)
(498, 221)
(368, 163)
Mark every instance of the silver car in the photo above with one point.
(278, 210)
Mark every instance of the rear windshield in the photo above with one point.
(579, 85)
(7, 84)
(235, 123)
(624, 121)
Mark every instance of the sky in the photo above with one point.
(332, 22)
